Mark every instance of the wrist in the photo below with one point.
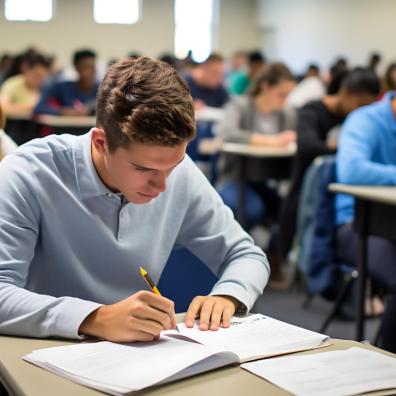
(93, 324)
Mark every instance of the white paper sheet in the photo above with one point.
(256, 336)
(335, 373)
(122, 368)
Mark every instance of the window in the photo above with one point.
(28, 10)
(116, 11)
(194, 28)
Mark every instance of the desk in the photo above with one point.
(70, 124)
(21, 128)
(24, 379)
(375, 214)
(274, 159)
(209, 114)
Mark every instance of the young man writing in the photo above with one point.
(79, 215)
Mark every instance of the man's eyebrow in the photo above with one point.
(152, 169)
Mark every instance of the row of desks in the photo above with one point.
(373, 204)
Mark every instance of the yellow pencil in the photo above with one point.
(149, 282)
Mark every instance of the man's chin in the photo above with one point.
(139, 199)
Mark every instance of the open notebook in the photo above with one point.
(123, 368)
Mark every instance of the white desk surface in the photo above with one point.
(381, 194)
(210, 114)
(250, 150)
(67, 121)
(25, 379)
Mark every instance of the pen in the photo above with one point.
(149, 282)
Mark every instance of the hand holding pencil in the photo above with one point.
(140, 317)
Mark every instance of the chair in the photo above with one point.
(316, 239)
(184, 277)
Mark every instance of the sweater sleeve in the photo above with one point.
(22, 312)
(211, 233)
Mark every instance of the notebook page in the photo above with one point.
(121, 368)
(256, 336)
(352, 371)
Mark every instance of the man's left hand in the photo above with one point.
(213, 311)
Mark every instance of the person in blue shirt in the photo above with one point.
(76, 98)
(80, 214)
(206, 83)
(367, 155)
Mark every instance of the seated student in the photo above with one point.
(7, 145)
(317, 126)
(390, 78)
(242, 81)
(367, 155)
(206, 83)
(311, 87)
(80, 214)
(19, 94)
(73, 97)
(259, 119)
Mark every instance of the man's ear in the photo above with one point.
(99, 140)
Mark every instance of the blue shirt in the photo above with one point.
(213, 97)
(64, 94)
(366, 152)
(68, 244)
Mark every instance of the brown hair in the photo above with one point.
(144, 100)
(273, 75)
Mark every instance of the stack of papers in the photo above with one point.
(336, 373)
(122, 368)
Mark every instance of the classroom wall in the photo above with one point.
(73, 27)
(301, 31)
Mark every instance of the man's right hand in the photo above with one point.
(140, 317)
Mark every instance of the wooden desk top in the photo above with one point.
(249, 150)
(210, 114)
(25, 379)
(381, 194)
(67, 121)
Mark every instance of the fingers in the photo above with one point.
(216, 317)
(146, 312)
(150, 327)
(227, 315)
(214, 311)
(159, 303)
(193, 311)
(206, 313)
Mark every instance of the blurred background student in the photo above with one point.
(317, 134)
(20, 93)
(76, 98)
(259, 118)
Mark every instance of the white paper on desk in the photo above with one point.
(122, 368)
(335, 373)
(256, 336)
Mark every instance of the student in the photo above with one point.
(7, 145)
(6, 62)
(390, 78)
(367, 155)
(317, 127)
(19, 94)
(311, 87)
(243, 81)
(260, 119)
(75, 98)
(206, 83)
(80, 214)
